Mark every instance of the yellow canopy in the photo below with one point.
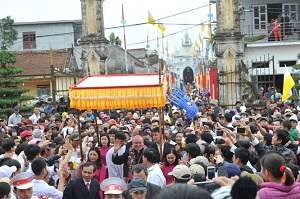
(118, 91)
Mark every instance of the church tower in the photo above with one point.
(94, 44)
(229, 50)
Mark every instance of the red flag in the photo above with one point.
(213, 87)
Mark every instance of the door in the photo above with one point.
(188, 75)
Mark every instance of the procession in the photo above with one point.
(89, 112)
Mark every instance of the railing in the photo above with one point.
(289, 31)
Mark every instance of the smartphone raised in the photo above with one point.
(219, 133)
(210, 186)
(219, 141)
(240, 130)
(211, 172)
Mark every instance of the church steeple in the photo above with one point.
(187, 40)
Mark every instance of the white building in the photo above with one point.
(184, 62)
(258, 55)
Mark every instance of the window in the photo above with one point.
(287, 63)
(290, 10)
(260, 65)
(42, 90)
(260, 17)
(29, 40)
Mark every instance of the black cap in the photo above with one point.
(59, 140)
(137, 184)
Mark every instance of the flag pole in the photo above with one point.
(123, 22)
(148, 46)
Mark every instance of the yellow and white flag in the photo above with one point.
(202, 26)
(161, 27)
(150, 18)
(288, 84)
(200, 38)
(167, 46)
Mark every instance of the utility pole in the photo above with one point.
(53, 89)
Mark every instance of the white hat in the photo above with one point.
(22, 180)
(196, 168)
(174, 108)
(6, 171)
(113, 185)
(181, 172)
(199, 158)
(287, 110)
(276, 115)
(293, 117)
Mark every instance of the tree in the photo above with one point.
(10, 94)
(114, 40)
(7, 33)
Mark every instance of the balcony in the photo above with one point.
(289, 32)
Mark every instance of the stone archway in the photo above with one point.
(188, 75)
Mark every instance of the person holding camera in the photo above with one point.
(41, 179)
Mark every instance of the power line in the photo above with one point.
(143, 23)
(138, 24)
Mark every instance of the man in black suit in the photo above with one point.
(157, 136)
(140, 171)
(84, 187)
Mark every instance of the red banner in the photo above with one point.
(213, 86)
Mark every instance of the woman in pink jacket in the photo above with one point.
(280, 179)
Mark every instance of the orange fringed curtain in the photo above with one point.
(115, 98)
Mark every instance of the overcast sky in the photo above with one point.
(136, 11)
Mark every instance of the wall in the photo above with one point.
(32, 85)
(48, 35)
(286, 51)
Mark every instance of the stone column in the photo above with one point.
(93, 43)
(92, 17)
(229, 50)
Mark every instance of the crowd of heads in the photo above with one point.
(256, 144)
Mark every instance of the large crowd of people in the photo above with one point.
(135, 154)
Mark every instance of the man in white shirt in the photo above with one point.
(41, 175)
(35, 116)
(115, 170)
(155, 174)
(15, 118)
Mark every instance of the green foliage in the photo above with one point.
(7, 33)
(254, 38)
(7, 58)
(10, 94)
(112, 39)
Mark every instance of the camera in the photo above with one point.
(219, 133)
(240, 130)
(219, 141)
(211, 172)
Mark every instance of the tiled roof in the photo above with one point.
(38, 62)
